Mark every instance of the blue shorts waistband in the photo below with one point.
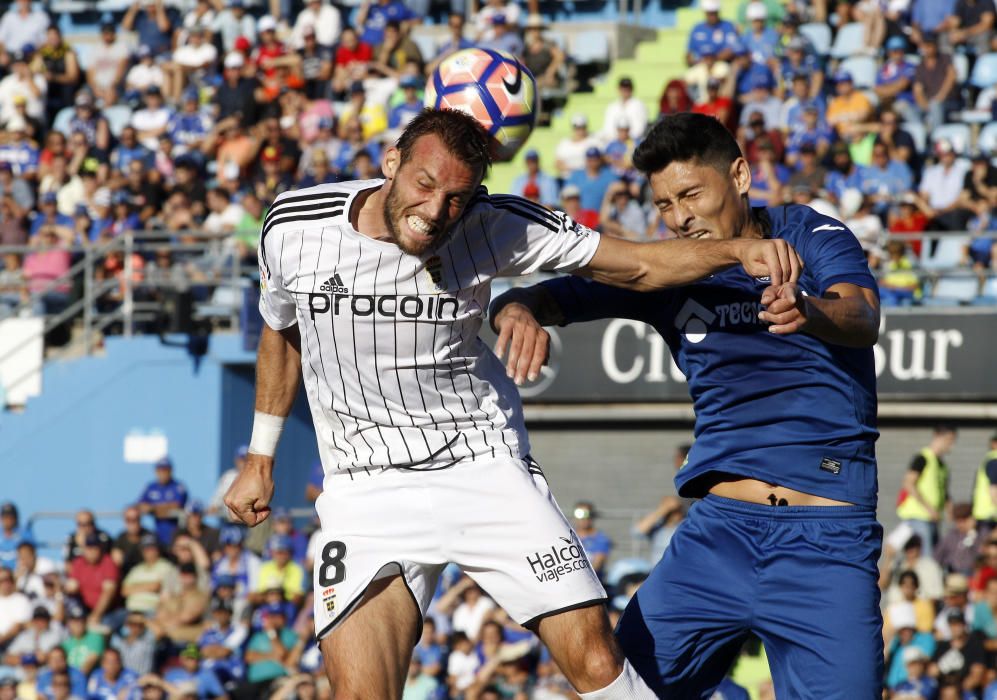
(760, 510)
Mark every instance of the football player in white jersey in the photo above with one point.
(374, 291)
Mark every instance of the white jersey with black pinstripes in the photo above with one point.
(395, 373)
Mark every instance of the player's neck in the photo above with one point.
(752, 226)
(367, 214)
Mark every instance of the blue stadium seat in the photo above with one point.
(985, 71)
(117, 117)
(850, 41)
(960, 135)
(947, 255)
(61, 121)
(863, 70)
(819, 34)
(918, 133)
(955, 289)
(986, 142)
(426, 44)
(84, 52)
(989, 291)
(961, 64)
(590, 47)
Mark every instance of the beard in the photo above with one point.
(394, 213)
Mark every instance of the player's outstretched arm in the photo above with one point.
(650, 266)
(278, 374)
(846, 315)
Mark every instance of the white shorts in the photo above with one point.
(495, 519)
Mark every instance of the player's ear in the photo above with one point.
(740, 173)
(390, 162)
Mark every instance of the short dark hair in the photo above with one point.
(909, 574)
(686, 137)
(462, 134)
(946, 429)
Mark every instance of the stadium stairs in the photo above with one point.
(655, 63)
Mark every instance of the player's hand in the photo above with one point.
(785, 308)
(528, 343)
(769, 257)
(248, 499)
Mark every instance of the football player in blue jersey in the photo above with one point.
(784, 542)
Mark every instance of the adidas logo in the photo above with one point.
(335, 285)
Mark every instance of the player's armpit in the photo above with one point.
(846, 315)
(650, 266)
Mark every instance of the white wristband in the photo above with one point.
(266, 433)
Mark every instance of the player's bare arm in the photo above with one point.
(846, 315)
(649, 266)
(278, 374)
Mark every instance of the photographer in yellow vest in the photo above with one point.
(985, 491)
(924, 496)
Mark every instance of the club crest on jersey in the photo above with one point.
(434, 268)
(329, 599)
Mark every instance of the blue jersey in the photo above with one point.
(784, 409)
(100, 688)
(378, 17)
(22, 157)
(402, 114)
(712, 38)
(122, 157)
(77, 682)
(186, 128)
(156, 493)
(208, 685)
(8, 546)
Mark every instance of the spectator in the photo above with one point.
(955, 599)
(236, 562)
(593, 180)
(483, 24)
(190, 671)
(471, 607)
(930, 16)
(848, 108)
(324, 21)
(768, 176)
(402, 113)
(108, 66)
(570, 151)
(924, 609)
(799, 60)
(83, 648)
(716, 105)
(94, 579)
(315, 65)
(143, 75)
(373, 118)
(971, 25)
(153, 24)
(269, 652)
(906, 637)
(985, 615)
(281, 571)
(895, 79)
(758, 38)
(809, 173)
(960, 659)
(462, 664)
(11, 534)
(152, 120)
(899, 143)
(353, 57)
(910, 217)
(546, 186)
(127, 549)
(756, 132)
(844, 174)
(935, 83)
(195, 528)
(543, 58)
(799, 100)
(38, 638)
(15, 191)
(234, 22)
(58, 672)
(30, 570)
(43, 268)
(595, 542)
(912, 558)
(621, 215)
(163, 499)
(571, 198)
(21, 27)
(941, 187)
(884, 180)
(857, 214)
(135, 643)
(56, 61)
(454, 42)
(979, 190)
(959, 549)
(221, 642)
(147, 581)
(111, 680)
(918, 683)
(504, 37)
(985, 491)
(899, 285)
(86, 525)
(22, 84)
(373, 17)
(674, 99)
(712, 33)
(625, 107)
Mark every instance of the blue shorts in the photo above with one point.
(804, 579)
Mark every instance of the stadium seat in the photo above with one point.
(819, 35)
(863, 70)
(590, 47)
(960, 136)
(62, 119)
(989, 292)
(850, 41)
(947, 255)
(955, 289)
(918, 133)
(84, 53)
(986, 142)
(426, 44)
(961, 64)
(117, 117)
(985, 71)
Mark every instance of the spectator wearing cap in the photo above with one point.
(39, 637)
(959, 548)
(233, 22)
(372, 116)
(919, 683)
(163, 498)
(11, 534)
(148, 580)
(195, 528)
(93, 578)
(221, 642)
(697, 78)
(593, 180)
(808, 132)
(88, 121)
(189, 127)
(759, 38)
(895, 78)
(107, 67)
(546, 186)
(152, 119)
(129, 149)
(484, 25)
(269, 652)
(596, 543)
(936, 86)
(404, 112)
(283, 525)
(884, 180)
(49, 219)
(58, 669)
(902, 637)
(756, 92)
(713, 33)
(569, 154)
(135, 643)
(83, 647)
(571, 197)
(941, 187)
(971, 25)
(849, 107)
(236, 562)
(21, 27)
(235, 97)
(504, 37)
(20, 83)
(21, 149)
(543, 58)
(191, 671)
(143, 74)
(126, 549)
(152, 22)
(352, 60)
(960, 656)
(625, 107)
(190, 62)
(797, 61)
(111, 680)
(180, 613)
(281, 570)
(955, 599)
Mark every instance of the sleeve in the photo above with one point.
(277, 305)
(991, 470)
(832, 254)
(917, 464)
(584, 300)
(144, 498)
(525, 237)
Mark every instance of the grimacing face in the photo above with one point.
(426, 195)
(698, 201)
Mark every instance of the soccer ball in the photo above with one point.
(494, 88)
